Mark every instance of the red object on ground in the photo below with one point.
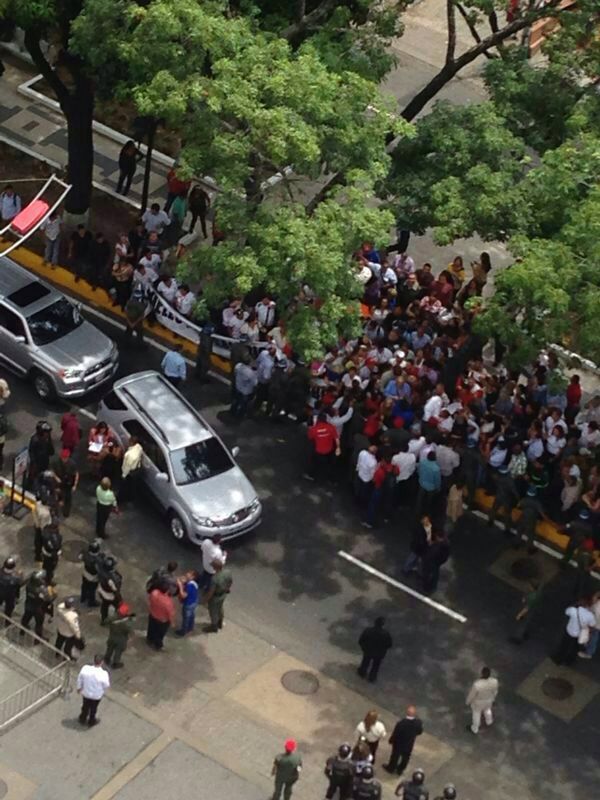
(29, 216)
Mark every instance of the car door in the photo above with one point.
(14, 341)
(154, 462)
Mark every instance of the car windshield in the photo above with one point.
(54, 322)
(200, 461)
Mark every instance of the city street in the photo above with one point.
(295, 597)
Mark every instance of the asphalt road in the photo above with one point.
(293, 588)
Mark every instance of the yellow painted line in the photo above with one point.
(65, 280)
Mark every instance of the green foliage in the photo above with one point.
(248, 105)
(458, 174)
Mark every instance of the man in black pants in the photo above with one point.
(403, 740)
(374, 643)
(92, 683)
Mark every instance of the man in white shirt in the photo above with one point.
(211, 551)
(404, 265)
(481, 698)
(416, 444)
(406, 462)
(265, 312)
(10, 204)
(167, 289)
(155, 220)
(436, 402)
(92, 683)
(52, 227)
(132, 461)
(448, 460)
(365, 469)
(581, 618)
(145, 277)
(184, 300)
(150, 260)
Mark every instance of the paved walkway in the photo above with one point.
(36, 126)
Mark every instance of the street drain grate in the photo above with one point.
(524, 569)
(558, 688)
(300, 681)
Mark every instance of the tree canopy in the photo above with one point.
(248, 106)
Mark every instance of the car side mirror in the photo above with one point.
(162, 477)
(235, 451)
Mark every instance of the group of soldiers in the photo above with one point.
(100, 577)
(355, 779)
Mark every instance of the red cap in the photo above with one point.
(290, 745)
(64, 453)
(123, 610)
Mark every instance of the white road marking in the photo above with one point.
(86, 413)
(402, 586)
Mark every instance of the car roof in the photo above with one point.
(15, 281)
(163, 409)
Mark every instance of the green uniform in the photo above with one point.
(221, 583)
(287, 766)
(119, 630)
(134, 311)
(531, 510)
(506, 499)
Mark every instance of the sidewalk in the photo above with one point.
(210, 713)
(39, 130)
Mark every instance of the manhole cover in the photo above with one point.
(557, 688)
(3, 789)
(299, 681)
(524, 569)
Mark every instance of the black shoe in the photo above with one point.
(210, 629)
(81, 720)
(118, 665)
(389, 769)
(362, 674)
(93, 722)
(94, 604)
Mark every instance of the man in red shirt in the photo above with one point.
(71, 431)
(325, 442)
(384, 481)
(161, 615)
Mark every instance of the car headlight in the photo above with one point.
(70, 372)
(255, 504)
(204, 522)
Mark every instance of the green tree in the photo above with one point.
(51, 21)
(247, 106)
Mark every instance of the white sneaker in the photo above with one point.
(582, 654)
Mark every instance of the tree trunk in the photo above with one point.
(79, 113)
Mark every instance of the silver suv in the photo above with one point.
(185, 465)
(44, 337)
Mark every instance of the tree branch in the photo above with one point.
(451, 24)
(32, 43)
(448, 71)
(473, 30)
(297, 30)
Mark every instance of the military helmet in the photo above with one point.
(10, 563)
(94, 546)
(418, 777)
(449, 792)
(39, 576)
(110, 562)
(344, 750)
(367, 772)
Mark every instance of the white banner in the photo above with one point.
(168, 316)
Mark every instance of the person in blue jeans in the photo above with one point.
(188, 593)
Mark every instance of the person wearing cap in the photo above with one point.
(120, 628)
(68, 630)
(506, 497)
(41, 449)
(66, 472)
(531, 511)
(578, 531)
(286, 769)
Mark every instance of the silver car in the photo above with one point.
(44, 337)
(185, 465)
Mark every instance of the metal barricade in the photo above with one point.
(32, 672)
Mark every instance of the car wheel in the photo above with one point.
(177, 526)
(43, 386)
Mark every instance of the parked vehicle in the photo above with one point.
(44, 337)
(186, 466)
